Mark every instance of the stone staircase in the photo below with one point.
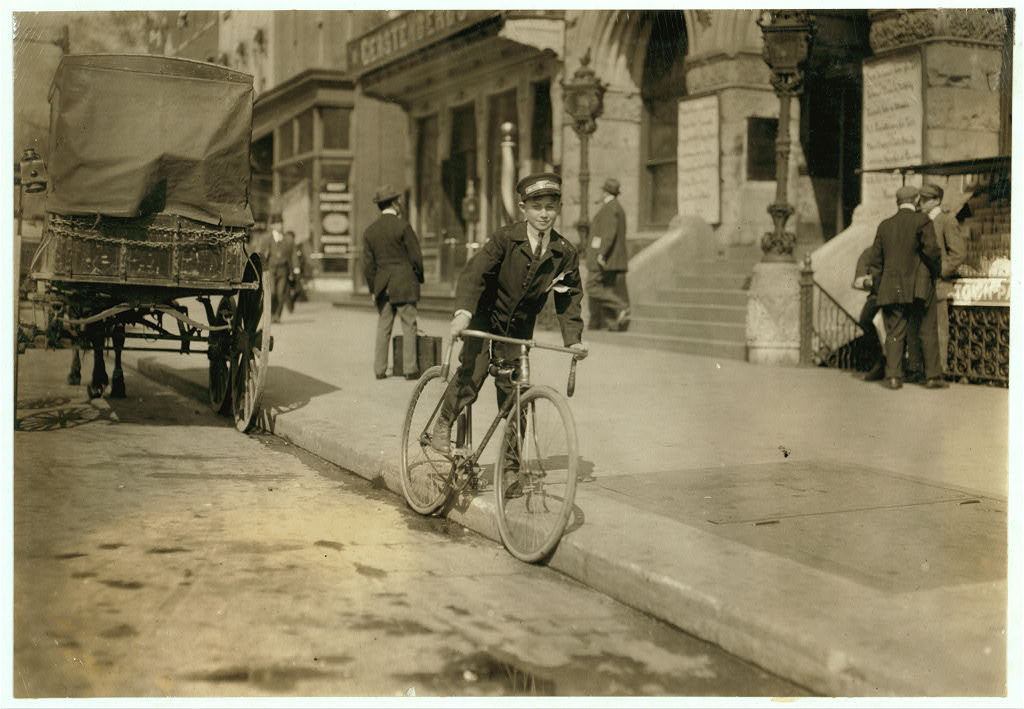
(703, 312)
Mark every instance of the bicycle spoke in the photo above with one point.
(426, 474)
(532, 523)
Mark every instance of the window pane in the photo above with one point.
(761, 134)
(285, 148)
(663, 203)
(336, 123)
(663, 129)
(306, 131)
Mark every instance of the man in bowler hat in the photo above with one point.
(608, 261)
(503, 288)
(904, 259)
(393, 266)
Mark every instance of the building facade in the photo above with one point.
(453, 105)
(306, 120)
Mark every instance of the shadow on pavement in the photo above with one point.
(287, 390)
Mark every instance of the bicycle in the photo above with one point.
(541, 461)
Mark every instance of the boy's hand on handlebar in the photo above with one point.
(460, 322)
(580, 350)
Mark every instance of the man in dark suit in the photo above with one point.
(503, 288)
(952, 251)
(904, 259)
(280, 265)
(393, 266)
(607, 262)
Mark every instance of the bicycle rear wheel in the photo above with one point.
(426, 474)
(543, 468)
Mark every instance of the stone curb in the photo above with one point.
(815, 660)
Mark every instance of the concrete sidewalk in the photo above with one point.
(847, 537)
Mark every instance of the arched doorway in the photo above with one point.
(662, 84)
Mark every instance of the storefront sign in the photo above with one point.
(335, 223)
(407, 33)
(981, 291)
(698, 191)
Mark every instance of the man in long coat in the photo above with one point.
(607, 262)
(904, 260)
(281, 264)
(953, 251)
(393, 266)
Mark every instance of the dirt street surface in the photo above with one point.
(158, 552)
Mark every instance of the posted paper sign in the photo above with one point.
(699, 187)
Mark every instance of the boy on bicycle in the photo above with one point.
(504, 287)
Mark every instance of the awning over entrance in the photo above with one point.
(955, 167)
(381, 58)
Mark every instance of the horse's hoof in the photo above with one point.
(95, 391)
(117, 388)
(75, 378)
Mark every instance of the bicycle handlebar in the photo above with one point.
(570, 387)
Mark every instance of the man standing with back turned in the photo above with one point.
(393, 266)
(902, 244)
(952, 252)
(608, 261)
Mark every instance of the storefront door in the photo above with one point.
(456, 172)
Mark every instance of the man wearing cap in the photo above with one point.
(503, 288)
(952, 252)
(393, 266)
(608, 261)
(902, 244)
(280, 265)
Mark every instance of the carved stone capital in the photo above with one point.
(895, 29)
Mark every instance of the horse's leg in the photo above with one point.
(97, 334)
(75, 375)
(117, 381)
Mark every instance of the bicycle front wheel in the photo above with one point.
(426, 474)
(535, 477)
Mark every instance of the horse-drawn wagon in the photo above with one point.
(148, 220)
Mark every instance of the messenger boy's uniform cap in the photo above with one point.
(385, 193)
(931, 192)
(543, 183)
(611, 186)
(906, 193)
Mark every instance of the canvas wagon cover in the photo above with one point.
(131, 135)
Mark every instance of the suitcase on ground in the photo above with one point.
(428, 353)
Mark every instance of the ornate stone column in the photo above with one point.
(931, 92)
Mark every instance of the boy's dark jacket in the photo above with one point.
(505, 290)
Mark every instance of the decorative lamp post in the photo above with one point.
(584, 101)
(787, 43)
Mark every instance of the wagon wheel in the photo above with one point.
(219, 353)
(251, 353)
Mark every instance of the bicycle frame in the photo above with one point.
(520, 379)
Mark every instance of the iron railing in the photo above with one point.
(979, 343)
(829, 335)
